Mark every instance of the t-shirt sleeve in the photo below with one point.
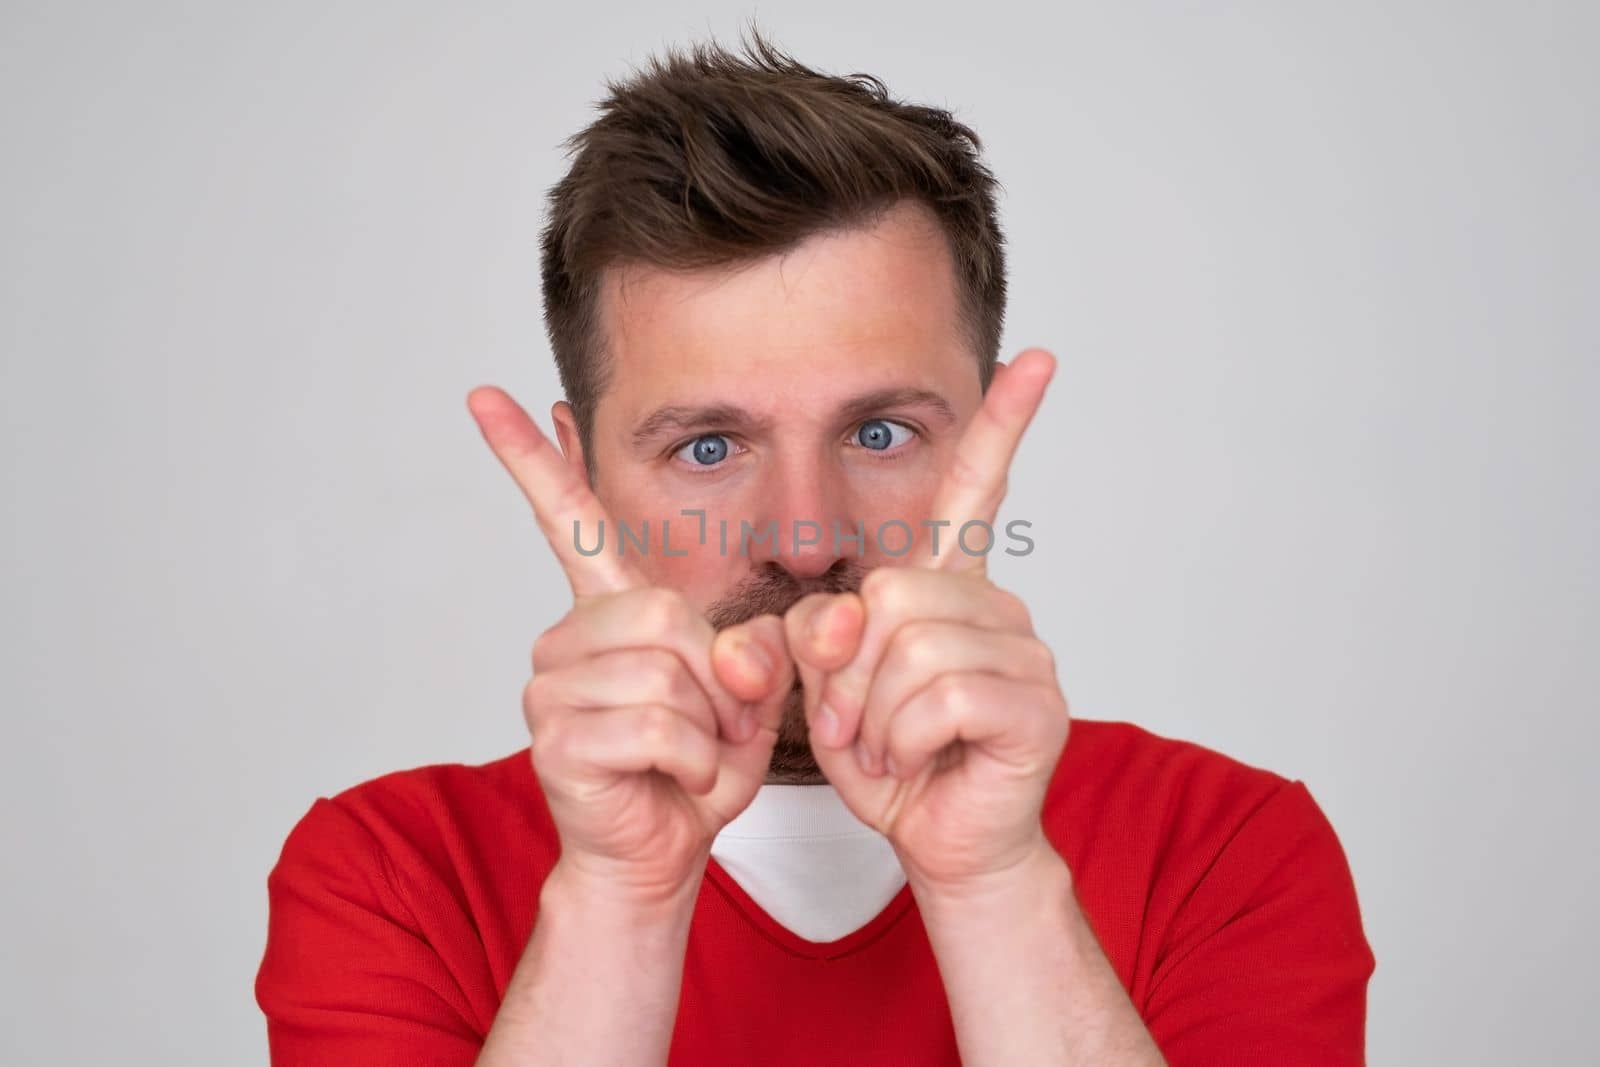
(1266, 961)
(346, 978)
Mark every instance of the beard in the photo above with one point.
(772, 590)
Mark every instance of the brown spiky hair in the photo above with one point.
(711, 158)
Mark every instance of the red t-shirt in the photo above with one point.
(1219, 892)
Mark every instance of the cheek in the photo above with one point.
(701, 575)
(907, 498)
(703, 572)
(893, 505)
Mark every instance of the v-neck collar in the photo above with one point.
(792, 942)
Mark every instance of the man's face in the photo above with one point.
(827, 386)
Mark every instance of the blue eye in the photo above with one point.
(881, 435)
(705, 451)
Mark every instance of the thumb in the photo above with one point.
(824, 631)
(752, 661)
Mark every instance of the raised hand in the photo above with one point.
(650, 729)
(932, 706)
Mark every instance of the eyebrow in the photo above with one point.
(885, 399)
(679, 418)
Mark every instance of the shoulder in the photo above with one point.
(392, 905)
(1206, 834)
(1107, 761)
(426, 817)
(1173, 807)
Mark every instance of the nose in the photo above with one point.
(802, 520)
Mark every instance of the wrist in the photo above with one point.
(600, 978)
(617, 897)
(1037, 877)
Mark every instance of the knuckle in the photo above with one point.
(661, 610)
(913, 647)
(536, 695)
(953, 695)
(885, 589)
(550, 742)
(1013, 609)
(544, 648)
(1041, 658)
(658, 727)
(664, 677)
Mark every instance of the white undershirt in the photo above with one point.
(808, 861)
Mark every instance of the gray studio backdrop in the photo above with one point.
(1315, 485)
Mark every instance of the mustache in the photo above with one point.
(772, 590)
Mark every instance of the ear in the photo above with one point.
(568, 437)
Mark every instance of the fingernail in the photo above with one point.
(814, 627)
(757, 654)
(827, 724)
(818, 627)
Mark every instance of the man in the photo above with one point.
(802, 785)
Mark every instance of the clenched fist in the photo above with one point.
(651, 730)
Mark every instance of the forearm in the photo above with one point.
(1026, 980)
(598, 982)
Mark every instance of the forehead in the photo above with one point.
(865, 307)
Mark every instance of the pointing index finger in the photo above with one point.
(975, 483)
(562, 501)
